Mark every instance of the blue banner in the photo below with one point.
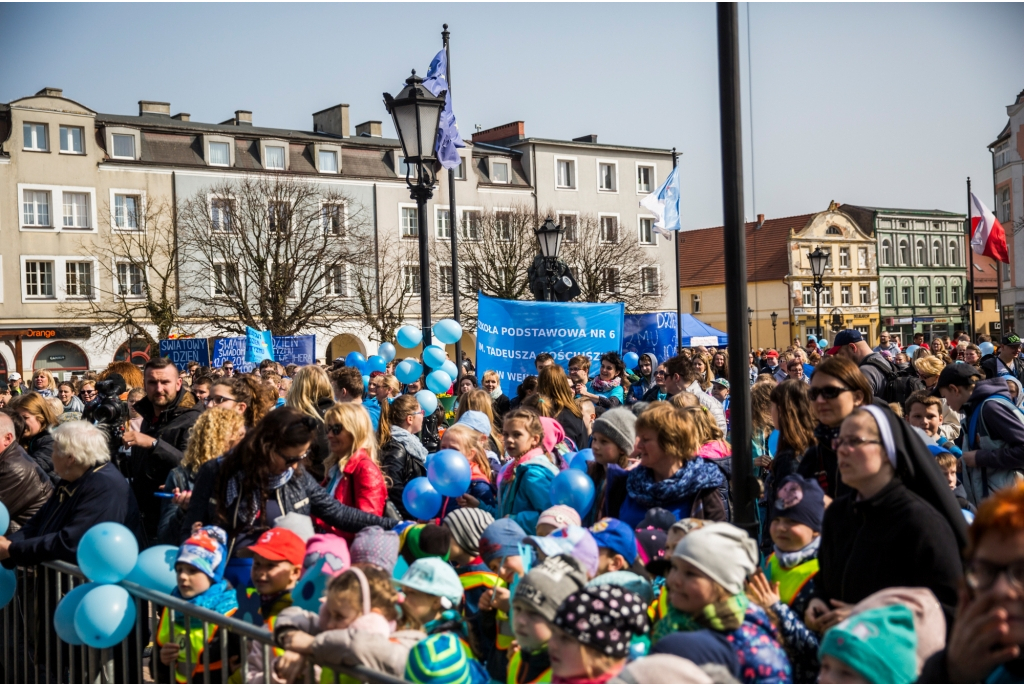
(511, 333)
(653, 333)
(289, 349)
(231, 350)
(181, 351)
(259, 345)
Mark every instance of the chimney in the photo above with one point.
(333, 121)
(182, 116)
(369, 128)
(243, 117)
(51, 92)
(760, 220)
(504, 133)
(592, 138)
(151, 107)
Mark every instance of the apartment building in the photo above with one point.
(1008, 205)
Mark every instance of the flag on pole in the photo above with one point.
(987, 235)
(259, 345)
(664, 204)
(448, 137)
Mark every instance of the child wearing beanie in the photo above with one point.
(555, 518)
(422, 540)
(443, 658)
(466, 527)
(875, 646)
(593, 629)
(612, 439)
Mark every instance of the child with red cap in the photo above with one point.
(276, 567)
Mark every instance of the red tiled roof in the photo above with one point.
(702, 262)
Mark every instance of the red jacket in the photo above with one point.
(361, 486)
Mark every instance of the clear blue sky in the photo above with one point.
(890, 105)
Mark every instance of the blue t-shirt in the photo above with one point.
(615, 392)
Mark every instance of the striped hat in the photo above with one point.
(443, 658)
(467, 526)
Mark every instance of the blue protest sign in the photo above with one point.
(181, 351)
(655, 333)
(259, 345)
(295, 349)
(511, 333)
(231, 350)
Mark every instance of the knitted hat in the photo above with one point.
(615, 536)
(619, 426)
(426, 540)
(206, 550)
(627, 580)
(880, 644)
(300, 524)
(656, 517)
(722, 551)
(467, 525)
(604, 617)
(559, 516)
(547, 585)
(443, 658)
(553, 433)
(802, 500)
(374, 545)
(433, 576)
(501, 539)
(332, 550)
(650, 546)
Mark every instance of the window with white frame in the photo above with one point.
(124, 146)
(444, 280)
(886, 253)
(78, 279)
(890, 295)
(402, 166)
(39, 279)
(940, 295)
(650, 280)
(460, 171)
(695, 304)
(469, 228)
(610, 279)
(922, 294)
(1004, 204)
(225, 278)
(442, 223)
(36, 208)
(328, 161)
(905, 295)
(76, 210)
(904, 253)
(844, 294)
(862, 257)
(220, 154)
(807, 295)
(35, 137)
(471, 277)
(1001, 154)
(126, 212)
(607, 173)
(332, 215)
(644, 179)
(499, 172)
(411, 279)
(566, 173)
(410, 222)
(920, 254)
(937, 253)
(279, 216)
(646, 226)
(865, 293)
(570, 227)
(954, 252)
(844, 258)
(826, 296)
(609, 229)
(275, 157)
(503, 225)
(954, 294)
(71, 140)
(221, 211)
(131, 279)
(336, 281)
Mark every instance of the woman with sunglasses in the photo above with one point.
(897, 526)
(87, 391)
(837, 388)
(353, 476)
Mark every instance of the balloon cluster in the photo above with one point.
(443, 372)
(448, 475)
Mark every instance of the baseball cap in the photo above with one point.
(957, 374)
(771, 353)
(724, 382)
(14, 376)
(850, 335)
(614, 535)
(476, 420)
(434, 576)
(1011, 339)
(280, 544)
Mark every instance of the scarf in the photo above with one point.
(724, 616)
(248, 511)
(508, 472)
(411, 443)
(695, 475)
(673, 621)
(826, 434)
(600, 385)
(790, 560)
(496, 393)
(220, 598)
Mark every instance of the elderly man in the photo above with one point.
(91, 490)
(24, 487)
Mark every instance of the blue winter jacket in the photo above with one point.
(523, 497)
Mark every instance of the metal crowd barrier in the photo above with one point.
(33, 653)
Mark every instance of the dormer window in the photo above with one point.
(220, 154)
(124, 146)
(328, 162)
(499, 172)
(274, 157)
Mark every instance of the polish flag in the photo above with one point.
(987, 234)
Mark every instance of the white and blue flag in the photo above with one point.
(448, 137)
(664, 204)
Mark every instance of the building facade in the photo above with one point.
(1008, 205)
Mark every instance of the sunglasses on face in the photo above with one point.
(292, 461)
(828, 393)
(335, 429)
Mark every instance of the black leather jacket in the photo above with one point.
(24, 488)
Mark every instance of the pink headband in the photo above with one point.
(364, 588)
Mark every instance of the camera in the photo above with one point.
(108, 411)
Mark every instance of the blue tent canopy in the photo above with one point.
(695, 332)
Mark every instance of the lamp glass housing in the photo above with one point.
(416, 114)
(818, 259)
(549, 235)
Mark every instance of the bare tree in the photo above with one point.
(135, 289)
(386, 284)
(271, 252)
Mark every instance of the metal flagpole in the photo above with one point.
(452, 222)
(970, 262)
(679, 301)
(735, 249)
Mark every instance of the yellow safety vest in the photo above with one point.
(659, 607)
(485, 579)
(515, 663)
(169, 632)
(791, 580)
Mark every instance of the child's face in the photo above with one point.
(790, 536)
(518, 440)
(719, 392)
(545, 529)
(270, 577)
(605, 451)
(532, 631)
(609, 562)
(191, 581)
(337, 614)
(508, 567)
(927, 418)
(689, 588)
(421, 606)
(568, 657)
(951, 477)
(456, 553)
(835, 671)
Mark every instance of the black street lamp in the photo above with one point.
(837, 319)
(819, 260)
(750, 326)
(775, 339)
(549, 236)
(416, 114)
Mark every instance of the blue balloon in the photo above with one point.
(428, 401)
(985, 347)
(366, 382)
(434, 356)
(387, 352)
(8, 584)
(823, 344)
(773, 442)
(449, 472)
(575, 489)
(408, 371)
(581, 459)
(448, 331)
(421, 499)
(5, 519)
(911, 349)
(409, 336)
(155, 569)
(105, 616)
(449, 368)
(375, 363)
(438, 382)
(64, 614)
(107, 553)
(631, 359)
(354, 359)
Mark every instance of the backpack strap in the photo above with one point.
(976, 416)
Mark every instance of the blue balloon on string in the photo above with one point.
(434, 356)
(428, 401)
(354, 359)
(154, 569)
(421, 499)
(439, 382)
(448, 331)
(631, 359)
(408, 371)
(375, 363)
(823, 344)
(387, 352)
(449, 368)
(105, 616)
(5, 519)
(449, 472)
(8, 584)
(366, 383)
(986, 348)
(409, 336)
(107, 552)
(64, 614)
(581, 460)
(773, 442)
(575, 489)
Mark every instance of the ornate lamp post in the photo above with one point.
(549, 236)
(818, 259)
(775, 339)
(750, 326)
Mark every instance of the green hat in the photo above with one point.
(442, 658)
(880, 644)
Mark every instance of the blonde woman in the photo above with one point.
(705, 373)
(311, 394)
(492, 384)
(215, 432)
(37, 439)
(354, 477)
(43, 383)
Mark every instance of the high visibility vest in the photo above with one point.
(169, 632)
(484, 579)
(505, 635)
(792, 580)
(515, 663)
(659, 607)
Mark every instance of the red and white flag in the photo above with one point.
(987, 234)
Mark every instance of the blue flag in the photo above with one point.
(259, 345)
(448, 137)
(664, 204)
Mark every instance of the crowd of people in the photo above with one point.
(887, 547)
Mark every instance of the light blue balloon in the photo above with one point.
(986, 348)
(428, 401)
(107, 553)
(823, 344)
(64, 614)
(105, 616)
(155, 569)
(448, 331)
(387, 352)
(449, 368)
(434, 356)
(375, 363)
(409, 336)
(408, 371)
(575, 489)
(911, 349)
(773, 442)
(449, 472)
(421, 499)
(581, 459)
(354, 359)
(5, 519)
(631, 359)
(438, 382)
(366, 382)
(8, 584)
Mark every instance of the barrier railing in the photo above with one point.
(33, 652)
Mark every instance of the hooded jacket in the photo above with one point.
(24, 488)
(998, 436)
(762, 659)
(643, 383)
(525, 495)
